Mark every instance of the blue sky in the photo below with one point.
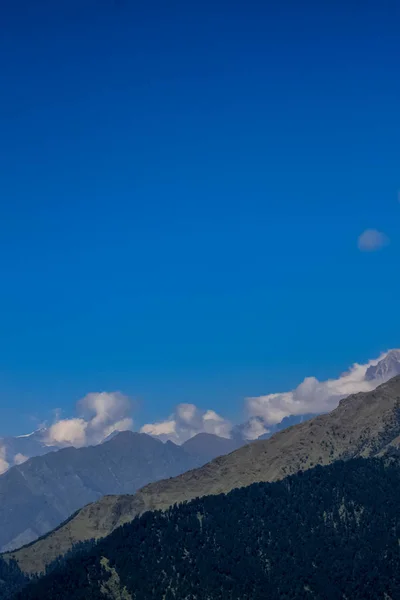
(183, 185)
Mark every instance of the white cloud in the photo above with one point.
(311, 396)
(163, 428)
(371, 240)
(187, 421)
(99, 415)
(20, 458)
(4, 465)
(68, 432)
(253, 428)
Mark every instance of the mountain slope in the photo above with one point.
(321, 396)
(16, 450)
(287, 422)
(209, 446)
(264, 541)
(38, 495)
(365, 424)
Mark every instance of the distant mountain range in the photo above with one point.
(16, 450)
(364, 425)
(39, 494)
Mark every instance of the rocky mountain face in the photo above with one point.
(38, 495)
(363, 425)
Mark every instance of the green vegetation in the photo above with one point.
(329, 533)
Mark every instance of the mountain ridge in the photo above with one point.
(14, 450)
(265, 540)
(41, 493)
(364, 424)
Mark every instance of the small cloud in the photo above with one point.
(371, 240)
(19, 459)
(187, 421)
(3, 462)
(166, 429)
(254, 427)
(68, 432)
(99, 415)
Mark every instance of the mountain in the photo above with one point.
(44, 491)
(16, 450)
(287, 422)
(246, 432)
(209, 446)
(363, 425)
(386, 368)
(367, 378)
(328, 534)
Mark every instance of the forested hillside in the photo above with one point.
(329, 533)
(363, 425)
(11, 578)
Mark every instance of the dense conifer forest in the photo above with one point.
(11, 579)
(328, 533)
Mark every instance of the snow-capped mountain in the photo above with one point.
(386, 368)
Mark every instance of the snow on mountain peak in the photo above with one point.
(386, 368)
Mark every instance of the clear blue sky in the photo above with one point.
(182, 188)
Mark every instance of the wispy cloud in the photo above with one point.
(371, 240)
